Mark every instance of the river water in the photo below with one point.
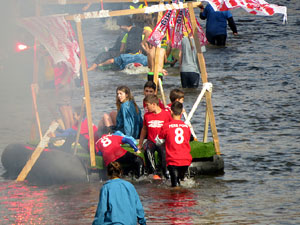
(256, 104)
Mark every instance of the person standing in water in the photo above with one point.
(119, 202)
(216, 24)
(176, 135)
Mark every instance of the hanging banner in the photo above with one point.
(257, 7)
(57, 36)
(159, 31)
(202, 38)
(178, 31)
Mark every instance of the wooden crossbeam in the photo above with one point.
(124, 12)
(37, 152)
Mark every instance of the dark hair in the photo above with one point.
(150, 84)
(151, 99)
(176, 94)
(130, 97)
(138, 20)
(124, 21)
(114, 170)
(176, 108)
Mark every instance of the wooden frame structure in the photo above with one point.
(104, 14)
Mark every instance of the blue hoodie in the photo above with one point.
(129, 122)
(119, 203)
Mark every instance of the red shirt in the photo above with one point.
(154, 123)
(84, 129)
(177, 138)
(110, 146)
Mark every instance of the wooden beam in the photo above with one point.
(36, 113)
(79, 125)
(37, 152)
(66, 2)
(124, 12)
(86, 93)
(204, 80)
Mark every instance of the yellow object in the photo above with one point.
(140, 7)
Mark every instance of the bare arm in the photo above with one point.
(142, 137)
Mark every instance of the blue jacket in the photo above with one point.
(119, 203)
(128, 121)
(216, 23)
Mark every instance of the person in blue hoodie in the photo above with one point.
(119, 202)
(128, 118)
(216, 24)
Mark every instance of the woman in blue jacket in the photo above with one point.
(128, 118)
(119, 202)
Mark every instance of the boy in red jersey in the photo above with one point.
(175, 95)
(109, 145)
(149, 89)
(176, 135)
(154, 119)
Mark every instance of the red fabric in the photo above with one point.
(177, 136)
(110, 147)
(84, 130)
(60, 71)
(154, 123)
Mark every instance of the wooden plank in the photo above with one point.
(204, 80)
(124, 12)
(86, 93)
(37, 152)
(37, 117)
(206, 124)
(156, 66)
(60, 2)
(35, 78)
(162, 92)
(79, 125)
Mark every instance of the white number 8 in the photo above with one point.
(179, 139)
(105, 142)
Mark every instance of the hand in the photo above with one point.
(235, 34)
(138, 152)
(139, 147)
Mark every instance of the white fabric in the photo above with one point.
(57, 36)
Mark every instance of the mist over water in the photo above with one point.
(256, 105)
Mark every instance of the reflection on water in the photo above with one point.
(256, 105)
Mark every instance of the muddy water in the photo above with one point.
(256, 104)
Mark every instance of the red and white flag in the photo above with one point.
(57, 36)
(257, 7)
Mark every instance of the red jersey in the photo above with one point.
(84, 129)
(177, 138)
(110, 146)
(160, 104)
(154, 123)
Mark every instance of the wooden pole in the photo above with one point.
(37, 152)
(206, 124)
(157, 56)
(124, 12)
(37, 117)
(162, 92)
(86, 93)
(79, 124)
(35, 79)
(204, 80)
